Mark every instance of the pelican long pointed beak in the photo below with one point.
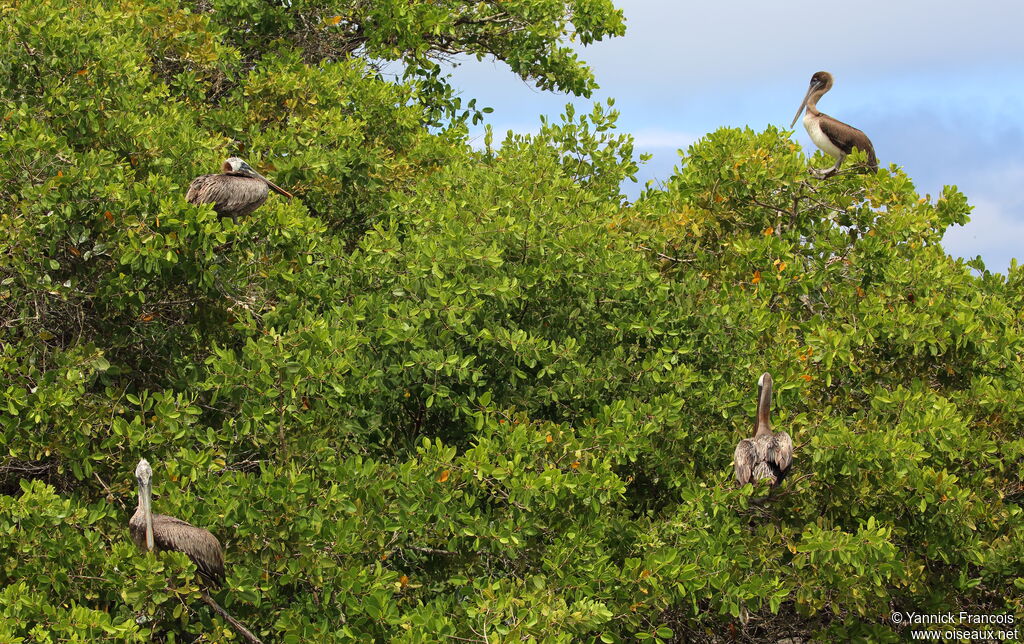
(273, 186)
(279, 190)
(146, 496)
(803, 104)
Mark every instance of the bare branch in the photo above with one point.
(237, 625)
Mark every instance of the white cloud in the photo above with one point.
(979, 150)
(738, 41)
(992, 233)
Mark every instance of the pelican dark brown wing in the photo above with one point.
(846, 138)
(765, 457)
(744, 459)
(231, 195)
(774, 456)
(170, 533)
(780, 453)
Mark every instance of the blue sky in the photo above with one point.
(937, 86)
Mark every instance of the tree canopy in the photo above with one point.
(469, 393)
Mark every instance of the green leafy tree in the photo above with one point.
(529, 35)
(465, 393)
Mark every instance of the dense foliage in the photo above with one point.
(468, 394)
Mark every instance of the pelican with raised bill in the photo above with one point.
(768, 455)
(236, 192)
(160, 532)
(833, 137)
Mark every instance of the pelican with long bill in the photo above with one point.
(833, 137)
(236, 192)
(155, 532)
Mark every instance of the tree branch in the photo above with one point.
(237, 625)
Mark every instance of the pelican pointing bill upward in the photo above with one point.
(833, 137)
(236, 192)
(161, 532)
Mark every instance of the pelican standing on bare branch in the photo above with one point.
(236, 192)
(768, 455)
(833, 137)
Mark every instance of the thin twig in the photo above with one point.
(110, 495)
(769, 206)
(664, 256)
(431, 551)
(237, 625)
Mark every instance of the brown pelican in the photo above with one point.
(161, 532)
(766, 456)
(835, 138)
(235, 192)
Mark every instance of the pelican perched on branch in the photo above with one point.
(161, 532)
(236, 192)
(833, 137)
(768, 455)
